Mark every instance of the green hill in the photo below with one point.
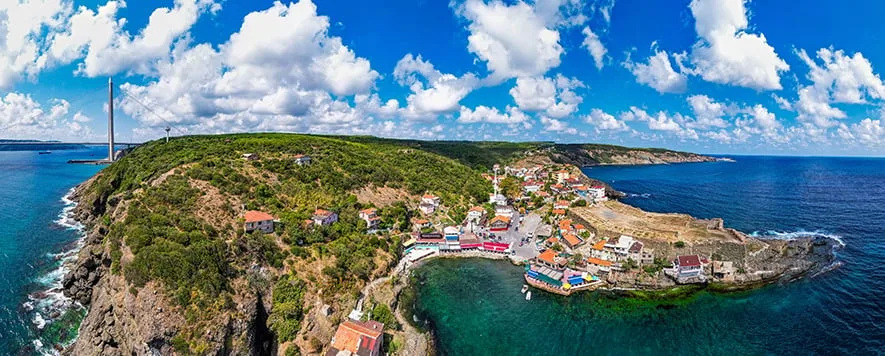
(167, 220)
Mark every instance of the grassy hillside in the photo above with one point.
(482, 155)
(173, 215)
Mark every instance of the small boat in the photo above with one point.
(528, 296)
(44, 152)
(525, 287)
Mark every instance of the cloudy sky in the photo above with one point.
(716, 76)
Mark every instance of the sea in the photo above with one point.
(474, 306)
(37, 236)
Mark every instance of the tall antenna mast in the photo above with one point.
(110, 119)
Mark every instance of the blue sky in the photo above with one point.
(715, 76)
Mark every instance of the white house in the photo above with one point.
(620, 246)
(688, 266)
(324, 217)
(427, 209)
(302, 160)
(256, 220)
(561, 176)
(561, 204)
(597, 193)
(430, 199)
(475, 214)
(451, 233)
(531, 186)
(370, 216)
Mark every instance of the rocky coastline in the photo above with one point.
(123, 321)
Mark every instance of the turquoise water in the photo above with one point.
(476, 309)
(34, 239)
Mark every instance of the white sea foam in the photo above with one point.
(643, 195)
(50, 302)
(785, 235)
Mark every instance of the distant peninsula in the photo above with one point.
(35, 145)
(301, 244)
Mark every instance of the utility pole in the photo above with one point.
(110, 119)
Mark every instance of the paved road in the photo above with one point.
(518, 231)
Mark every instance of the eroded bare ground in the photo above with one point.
(614, 218)
(382, 196)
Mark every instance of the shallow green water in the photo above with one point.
(475, 308)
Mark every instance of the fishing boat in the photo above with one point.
(528, 296)
(525, 287)
(44, 152)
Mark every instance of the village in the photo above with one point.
(528, 219)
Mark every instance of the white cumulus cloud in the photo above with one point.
(658, 73)
(513, 40)
(726, 53)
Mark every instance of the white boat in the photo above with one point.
(528, 296)
(525, 287)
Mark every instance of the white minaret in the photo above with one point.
(110, 119)
(496, 182)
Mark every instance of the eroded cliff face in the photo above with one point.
(123, 320)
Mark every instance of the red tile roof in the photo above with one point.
(548, 256)
(255, 216)
(689, 261)
(572, 240)
(499, 218)
(353, 335)
(559, 211)
(599, 262)
(322, 212)
(369, 211)
(598, 246)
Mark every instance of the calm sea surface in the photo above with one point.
(476, 308)
(34, 239)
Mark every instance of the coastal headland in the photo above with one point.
(276, 243)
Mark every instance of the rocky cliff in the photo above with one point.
(124, 320)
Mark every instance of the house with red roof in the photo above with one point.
(370, 216)
(551, 259)
(597, 193)
(430, 199)
(257, 220)
(499, 223)
(475, 214)
(357, 338)
(561, 204)
(571, 240)
(324, 217)
(688, 266)
(422, 223)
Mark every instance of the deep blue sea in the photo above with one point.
(34, 240)
(476, 309)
